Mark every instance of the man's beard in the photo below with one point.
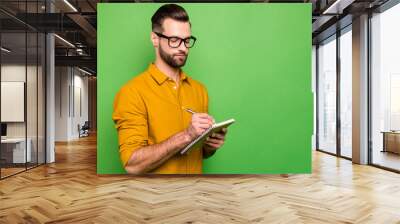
(170, 60)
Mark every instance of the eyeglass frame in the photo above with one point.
(181, 40)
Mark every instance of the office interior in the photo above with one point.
(48, 81)
(48, 86)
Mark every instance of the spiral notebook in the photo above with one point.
(217, 127)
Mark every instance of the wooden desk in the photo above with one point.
(13, 150)
(391, 141)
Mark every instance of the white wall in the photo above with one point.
(71, 94)
(385, 71)
(61, 103)
(81, 100)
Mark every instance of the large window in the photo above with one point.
(385, 88)
(346, 92)
(327, 95)
(334, 138)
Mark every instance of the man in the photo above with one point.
(149, 111)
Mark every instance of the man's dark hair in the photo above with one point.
(172, 11)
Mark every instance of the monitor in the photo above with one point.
(3, 129)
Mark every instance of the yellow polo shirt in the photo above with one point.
(149, 109)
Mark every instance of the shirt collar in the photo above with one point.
(160, 77)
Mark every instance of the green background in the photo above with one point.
(255, 60)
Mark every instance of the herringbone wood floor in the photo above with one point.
(69, 191)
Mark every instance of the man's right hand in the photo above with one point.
(199, 124)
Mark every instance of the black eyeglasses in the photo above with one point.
(175, 42)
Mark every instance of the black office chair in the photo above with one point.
(84, 130)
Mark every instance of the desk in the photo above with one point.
(15, 148)
(391, 141)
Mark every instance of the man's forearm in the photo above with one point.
(150, 157)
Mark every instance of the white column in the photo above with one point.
(50, 92)
(360, 90)
(50, 109)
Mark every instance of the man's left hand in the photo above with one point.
(216, 140)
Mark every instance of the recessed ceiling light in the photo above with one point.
(84, 71)
(338, 6)
(70, 5)
(5, 50)
(64, 40)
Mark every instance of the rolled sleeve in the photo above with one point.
(130, 118)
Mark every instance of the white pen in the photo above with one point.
(193, 112)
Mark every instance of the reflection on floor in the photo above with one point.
(11, 169)
(346, 152)
(386, 159)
